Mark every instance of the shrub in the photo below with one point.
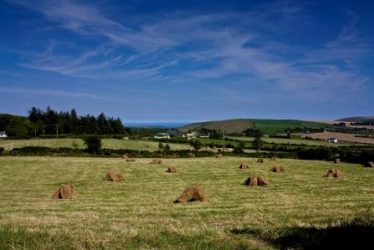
(93, 144)
(1, 150)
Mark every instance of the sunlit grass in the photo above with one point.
(139, 212)
(79, 143)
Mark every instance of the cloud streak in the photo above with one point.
(179, 47)
(46, 92)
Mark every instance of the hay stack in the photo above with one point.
(244, 166)
(370, 164)
(337, 161)
(278, 169)
(335, 173)
(156, 161)
(261, 181)
(251, 181)
(171, 169)
(65, 191)
(260, 160)
(113, 176)
(219, 155)
(256, 181)
(192, 193)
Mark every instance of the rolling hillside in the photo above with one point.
(268, 126)
(359, 119)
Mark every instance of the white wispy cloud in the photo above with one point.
(46, 92)
(203, 47)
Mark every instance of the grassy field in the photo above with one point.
(107, 143)
(294, 141)
(139, 212)
(267, 126)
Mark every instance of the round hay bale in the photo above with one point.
(278, 169)
(260, 160)
(65, 191)
(171, 169)
(370, 164)
(334, 173)
(337, 161)
(156, 161)
(113, 176)
(244, 166)
(251, 181)
(261, 181)
(192, 193)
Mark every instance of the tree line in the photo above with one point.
(46, 122)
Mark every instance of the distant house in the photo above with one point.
(190, 135)
(3, 134)
(332, 140)
(162, 136)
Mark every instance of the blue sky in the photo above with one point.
(188, 60)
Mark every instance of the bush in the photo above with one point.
(1, 150)
(93, 144)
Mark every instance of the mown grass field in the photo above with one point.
(294, 141)
(79, 143)
(139, 212)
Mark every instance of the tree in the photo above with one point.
(196, 144)
(93, 144)
(240, 148)
(257, 142)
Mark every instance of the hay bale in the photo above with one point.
(261, 181)
(260, 160)
(334, 173)
(244, 166)
(193, 193)
(156, 161)
(251, 181)
(278, 169)
(65, 191)
(171, 169)
(256, 181)
(113, 176)
(219, 155)
(370, 164)
(337, 161)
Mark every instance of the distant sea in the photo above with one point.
(155, 124)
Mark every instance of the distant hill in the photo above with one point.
(267, 126)
(359, 119)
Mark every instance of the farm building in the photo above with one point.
(162, 136)
(3, 134)
(332, 140)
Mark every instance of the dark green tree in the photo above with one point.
(93, 144)
(196, 144)
(257, 142)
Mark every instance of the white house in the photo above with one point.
(332, 140)
(162, 136)
(3, 134)
(190, 135)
